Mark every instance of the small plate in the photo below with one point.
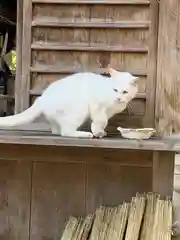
(137, 133)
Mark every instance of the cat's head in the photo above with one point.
(124, 85)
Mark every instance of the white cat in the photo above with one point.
(68, 103)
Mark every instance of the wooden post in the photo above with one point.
(19, 35)
(163, 173)
(168, 70)
(24, 88)
(152, 65)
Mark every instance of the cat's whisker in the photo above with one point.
(129, 105)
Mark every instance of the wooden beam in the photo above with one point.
(168, 70)
(56, 22)
(35, 137)
(82, 48)
(58, 69)
(152, 65)
(19, 36)
(26, 55)
(110, 2)
(163, 173)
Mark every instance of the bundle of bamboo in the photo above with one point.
(147, 217)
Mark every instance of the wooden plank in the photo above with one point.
(6, 97)
(74, 155)
(110, 2)
(58, 69)
(152, 65)
(163, 173)
(99, 13)
(112, 184)
(58, 191)
(98, 37)
(47, 139)
(130, 62)
(53, 47)
(19, 37)
(168, 73)
(55, 22)
(26, 56)
(15, 188)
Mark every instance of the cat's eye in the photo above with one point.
(124, 92)
(115, 89)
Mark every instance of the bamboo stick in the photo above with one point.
(148, 222)
(137, 208)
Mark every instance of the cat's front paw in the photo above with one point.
(175, 229)
(100, 134)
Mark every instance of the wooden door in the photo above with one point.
(64, 37)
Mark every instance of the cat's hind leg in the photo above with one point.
(70, 123)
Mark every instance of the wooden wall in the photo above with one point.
(41, 187)
(72, 36)
(168, 70)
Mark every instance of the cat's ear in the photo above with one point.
(135, 80)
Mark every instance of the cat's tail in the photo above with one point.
(24, 117)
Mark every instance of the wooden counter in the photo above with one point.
(45, 138)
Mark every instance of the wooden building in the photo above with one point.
(45, 178)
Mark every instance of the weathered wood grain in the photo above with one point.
(58, 191)
(15, 190)
(47, 139)
(26, 56)
(168, 73)
(152, 65)
(163, 173)
(113, 184)
(109, 2)
(19, 37)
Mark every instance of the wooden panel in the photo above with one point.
(163, 173)
(58, 190)
(75, 12)
(26, 56)
(60, 36)
(112, 184)
(168, 73)
(114, 13)
(127, 37)
(19, 37)
(75, 155)
(152, 65)
(99, 37)
(84, 60)
(15, 187)
(96, 12)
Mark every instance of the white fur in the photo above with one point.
(68, 103)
